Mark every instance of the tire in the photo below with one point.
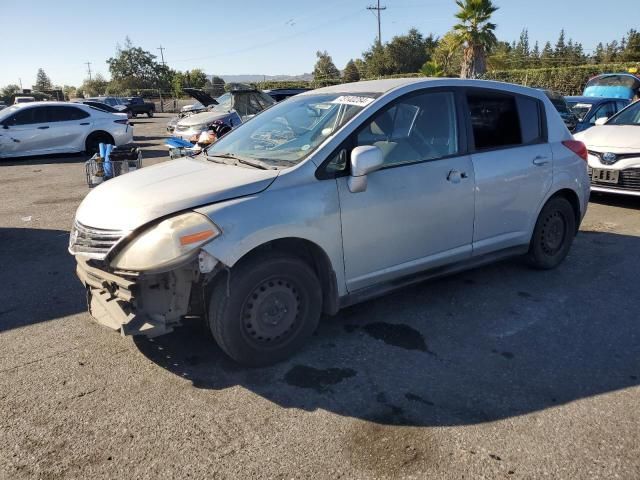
(150, 113)
(94, 139)
(553, 235)
(274, 305)
(134, 115)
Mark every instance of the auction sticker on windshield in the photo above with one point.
(356, 100)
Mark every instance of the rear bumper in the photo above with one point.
(135, 304)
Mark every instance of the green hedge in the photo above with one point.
(565, 80)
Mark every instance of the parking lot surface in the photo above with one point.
(500, 372)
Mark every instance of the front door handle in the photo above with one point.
(455, 176)
(43, 128)
(85, 123)
(541, 160)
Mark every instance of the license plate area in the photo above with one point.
(605, 176)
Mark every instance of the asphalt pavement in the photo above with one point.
(500, 372)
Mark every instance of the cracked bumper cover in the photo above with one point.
(135, 304)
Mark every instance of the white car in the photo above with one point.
(40, 128)
(614, 152)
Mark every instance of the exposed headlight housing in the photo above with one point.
(166, 243)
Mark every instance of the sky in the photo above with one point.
(258, 37)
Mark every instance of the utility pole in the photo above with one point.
(88, 64)
(378, 9)
(162, 49)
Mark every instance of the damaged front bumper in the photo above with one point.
(136, 303)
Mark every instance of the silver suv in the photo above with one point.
(327, 199)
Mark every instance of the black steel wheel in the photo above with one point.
(273, 305)
(553, 234)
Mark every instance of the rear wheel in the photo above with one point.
(273, 306)
(553, 234)
(96, 138)
(150, 113)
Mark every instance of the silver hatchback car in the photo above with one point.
(327, 199)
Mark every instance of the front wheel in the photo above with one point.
(150, 113)
(553, 234)
(266, 310)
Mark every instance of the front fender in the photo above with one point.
(310, 212)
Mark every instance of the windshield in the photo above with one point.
(224, 104)
(290, 131)
(628, 116)
(580, 109)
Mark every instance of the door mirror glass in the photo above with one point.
(364, 160)
(602, 120)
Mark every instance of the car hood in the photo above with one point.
(620, 137)
(200, 95)
(134, 199)
(200, 118)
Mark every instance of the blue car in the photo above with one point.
(614, 85)
(590, 109)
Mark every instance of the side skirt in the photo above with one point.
(387, 287)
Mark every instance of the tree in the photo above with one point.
(377, 61)
(351, 73)
(631, 51)
(476, 33)
(502, 57)
(133, 68)
(8, 92)
(407, 53)
(432, 69)
(96, 86)
(69, 92)
(195, 78)
(325, 68)
(560, 51)
(546, 57)
(362, 67)
(448, 54)
(43, 82)
(521, 53)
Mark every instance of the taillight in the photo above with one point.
(124, 121)
(578, 148)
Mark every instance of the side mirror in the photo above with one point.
(364, 160)
(602, 120)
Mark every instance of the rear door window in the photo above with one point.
(531, 125)
(65, 114)
(494, 119)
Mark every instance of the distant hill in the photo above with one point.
(261, 78)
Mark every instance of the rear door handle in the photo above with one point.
(43, 128)
(85, 123)
(541, 160)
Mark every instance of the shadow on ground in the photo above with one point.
(620, 201)
(37, 277)
(497, 342)
(44, 159)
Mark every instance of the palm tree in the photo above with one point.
(475, 33)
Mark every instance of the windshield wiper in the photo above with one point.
(245, 161)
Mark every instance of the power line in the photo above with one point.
(162, 49)
(378, 10)
(88, 64)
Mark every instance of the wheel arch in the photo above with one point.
(98, 132)
(312, 254)
(572, 197)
